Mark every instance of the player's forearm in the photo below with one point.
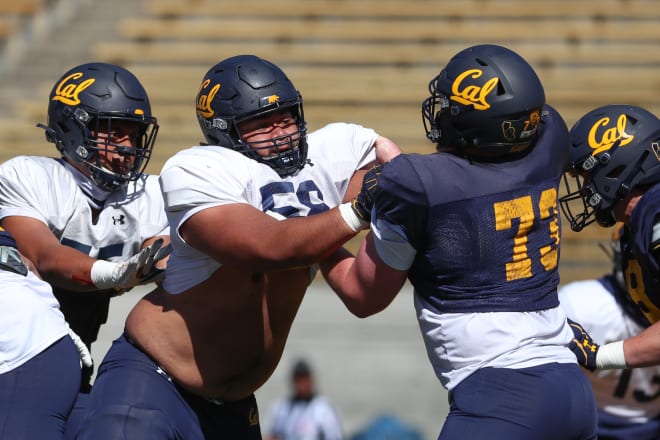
(308, 240)
(336, 270)
(643, 350)
(386, 149)
(68, 269)
(365, 285)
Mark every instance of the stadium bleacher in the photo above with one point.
(367, 61)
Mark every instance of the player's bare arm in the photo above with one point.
(60, 265)
(241, 235)
(364, 284)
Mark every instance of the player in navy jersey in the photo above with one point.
(197, 348)
(628, 399)
(475, 228)
(614, 176)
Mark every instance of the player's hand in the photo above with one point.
(583, 347)
(126, 274)
(151, 273)
(364, 201)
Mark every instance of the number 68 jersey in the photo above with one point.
(202, 177)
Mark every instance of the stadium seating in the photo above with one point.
(369, 61)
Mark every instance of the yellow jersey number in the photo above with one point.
(523, 208)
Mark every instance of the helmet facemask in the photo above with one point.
(77, 138)
(581, 203)
(291, 149)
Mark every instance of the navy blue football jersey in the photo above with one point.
(640, 250)
(486, 234)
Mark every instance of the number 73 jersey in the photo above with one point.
(486, 235)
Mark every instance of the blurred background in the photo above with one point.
(362, 61)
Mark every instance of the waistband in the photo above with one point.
(161, 371)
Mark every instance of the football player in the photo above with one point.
(39, 364)
(628, 404)
(250, 211)
(475, 228)
(614, 176)
(91, 221)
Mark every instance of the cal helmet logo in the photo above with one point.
(69, 89)
(204, 100)
(472, 94)
(603, 135)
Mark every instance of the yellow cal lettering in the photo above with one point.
(472, 94)
(204, 102)
(68, 93)
(600, 142)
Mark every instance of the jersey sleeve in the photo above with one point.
(392, 245)
(152, 211)
(30, 190)
(191, 180)
(340, 142)
(401, 201)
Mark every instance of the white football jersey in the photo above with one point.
(202, 177)
(631, 393)
(30, 319)
(44, 189)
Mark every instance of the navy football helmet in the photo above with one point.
(614, 149)
(246, 87)
(487, 99)
(100, 97)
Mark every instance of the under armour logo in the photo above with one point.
(119, 220)
(590, 346)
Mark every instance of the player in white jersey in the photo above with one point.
(197, 348)
(39, 363)
(628, 399)
(90, 218)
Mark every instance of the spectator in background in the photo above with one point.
(305, 415)
(628, 404)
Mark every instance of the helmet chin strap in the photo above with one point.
(94, 193)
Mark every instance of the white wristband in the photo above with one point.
(611, 356)
(355, 223)
(102, 274)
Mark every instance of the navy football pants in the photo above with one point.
(611, 427)
(132, 398)
(36, 398)
(547, 402)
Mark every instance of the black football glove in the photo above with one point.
(583, 347)
(364, 201)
